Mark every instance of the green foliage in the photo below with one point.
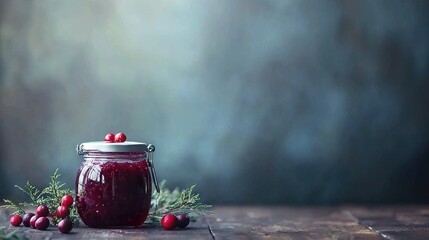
(166, 201)
(49, 196)
(175, 202)
(11, 205)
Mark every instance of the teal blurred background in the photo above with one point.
(256, 102)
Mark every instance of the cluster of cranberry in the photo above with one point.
(170, 221)
(119, 137)
(40, 220)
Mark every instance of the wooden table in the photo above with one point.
(349, 222)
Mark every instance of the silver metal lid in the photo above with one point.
(127, 146)
(101, 146)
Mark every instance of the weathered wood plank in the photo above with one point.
(196, 230)
(357, 223)
(395, 222)
(287, 223)
(145, 232)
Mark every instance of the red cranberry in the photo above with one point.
(63, 212)
(65, 225)
(33, 220)
(26, 219)
(67, 201)
(110, 137)
(42, 223)
(15, 220)
(183, 220)
(169, 221)
(120, 137)
(42, 211)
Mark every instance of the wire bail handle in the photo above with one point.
(150, 151)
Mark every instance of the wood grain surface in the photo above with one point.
(238, 222)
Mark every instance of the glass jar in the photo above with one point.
(113, 184)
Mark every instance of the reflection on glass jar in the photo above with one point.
(113, 189)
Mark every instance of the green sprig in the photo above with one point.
(32, 192)
(166, 201)
(176, 201)
(11, 205)
(50, 196)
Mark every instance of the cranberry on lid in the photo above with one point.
(120, 145)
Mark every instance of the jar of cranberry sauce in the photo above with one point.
(113, 184)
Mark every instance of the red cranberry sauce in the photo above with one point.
(113, 192)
